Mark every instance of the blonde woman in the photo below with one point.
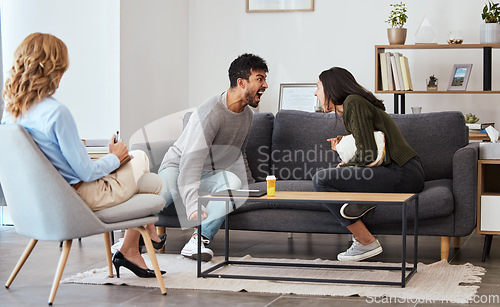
(40, 62)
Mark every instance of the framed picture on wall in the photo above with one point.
(298, 96)
(254, 6)
(459, 77)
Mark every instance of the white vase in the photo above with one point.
(490, 33)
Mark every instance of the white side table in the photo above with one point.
(488, 203)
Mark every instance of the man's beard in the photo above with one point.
(251, 100)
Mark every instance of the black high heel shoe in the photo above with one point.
(119, 260)
(156, 245)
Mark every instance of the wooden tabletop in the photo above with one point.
(328, 196)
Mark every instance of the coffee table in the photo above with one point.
(399, 199)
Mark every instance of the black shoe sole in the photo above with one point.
(354, 217)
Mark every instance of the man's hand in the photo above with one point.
(119, 149)
(334, 142)
(194, 216)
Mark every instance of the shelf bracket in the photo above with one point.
(399, 100)
(487, 62)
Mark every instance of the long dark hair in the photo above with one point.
(338, 83)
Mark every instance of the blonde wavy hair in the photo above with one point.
(39, 63)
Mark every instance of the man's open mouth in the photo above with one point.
(259, 94)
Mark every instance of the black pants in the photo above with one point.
(391, 178)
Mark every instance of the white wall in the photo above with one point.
(154, 61)
(90, 29)
(298, 46)
(134, 62)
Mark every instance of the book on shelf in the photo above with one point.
(478, 127)
(410, 84)
(398, 55)
(383, 72)
(97, 149)
(394, 67)
(390, 78)
(395, 72)
(405, 69)
(96, 142)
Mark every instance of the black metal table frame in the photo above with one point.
(404, 276)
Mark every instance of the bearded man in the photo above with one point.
(209, 156)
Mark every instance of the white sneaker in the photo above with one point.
(190, 250)
(358, 251)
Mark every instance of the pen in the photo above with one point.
(116, 137)
(247, 190)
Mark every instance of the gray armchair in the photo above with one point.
(43, 206)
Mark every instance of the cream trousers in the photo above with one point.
(119, 186)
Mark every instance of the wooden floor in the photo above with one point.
(32, 285)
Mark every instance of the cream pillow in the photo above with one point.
(346, 148)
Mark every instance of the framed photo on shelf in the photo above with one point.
(255, 6)
(459, 77)
(298, 96)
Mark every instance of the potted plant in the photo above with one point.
(490, 29)
(471, 118)
(397, 19)
(432, 83)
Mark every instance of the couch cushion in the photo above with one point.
(299, 147)
(436, 200)
(435, 137)
(155, 152)
(258, 148)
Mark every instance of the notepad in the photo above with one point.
(240, 193)
(125, 161)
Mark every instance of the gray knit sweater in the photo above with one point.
(215, 138)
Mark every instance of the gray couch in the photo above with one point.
(292, 145)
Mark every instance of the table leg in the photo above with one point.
(226, 228)
(403, 252)
(198, 259)
(415, 235)
(487, 246)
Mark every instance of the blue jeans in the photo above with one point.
(210, 182)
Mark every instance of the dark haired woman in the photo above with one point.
(400, 172)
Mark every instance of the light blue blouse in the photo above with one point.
(53, 129)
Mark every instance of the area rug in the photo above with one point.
(436, 282)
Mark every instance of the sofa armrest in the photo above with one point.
(155, 152)
(465, 188)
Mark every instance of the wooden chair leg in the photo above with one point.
(27, 251)
(457, 241)
(160, 230)
(445, 247)
(60, 269)
(107, 248)
(152, 257)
